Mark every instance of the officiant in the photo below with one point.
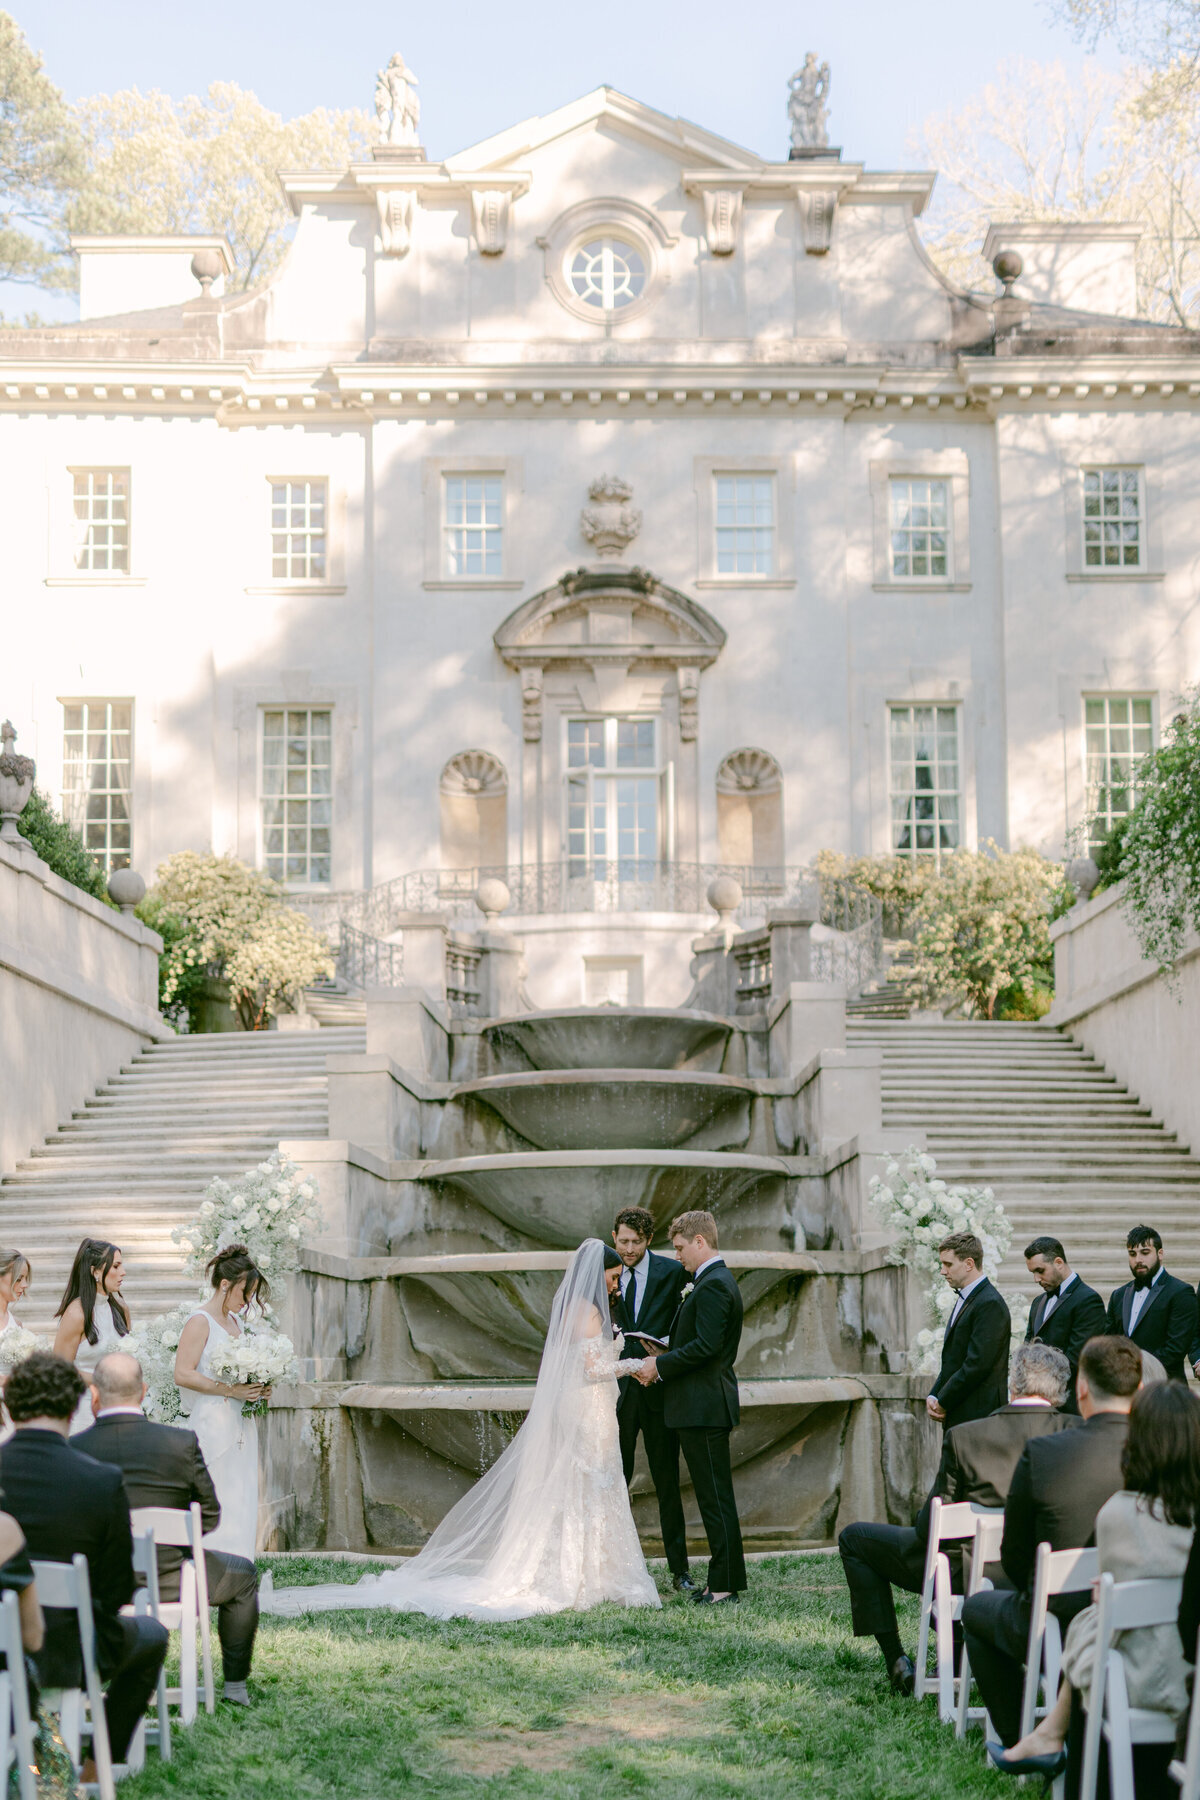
(651, 1292)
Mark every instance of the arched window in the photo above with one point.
(750, 810)
(474, 800)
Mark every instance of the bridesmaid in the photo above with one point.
(228, 1441)
(93, 1316)
(14, 1279)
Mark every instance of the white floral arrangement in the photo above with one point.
(685, 1291)
(261, 1355)
(271, 1209)
(16, 1344)
(920, 1210)
(154, 1344)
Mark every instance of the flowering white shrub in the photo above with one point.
(921, 1209)
(259, 1354)
(16, 1344)
(271, 1209)
(984, 925)
(154, 1344)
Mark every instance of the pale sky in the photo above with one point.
(484, 67)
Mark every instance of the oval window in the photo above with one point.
(606, 274)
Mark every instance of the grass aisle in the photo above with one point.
(773, 1700)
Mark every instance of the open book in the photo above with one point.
(652, 1344)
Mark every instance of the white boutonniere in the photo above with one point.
(685, 1291)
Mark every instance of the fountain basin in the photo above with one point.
(614, 1109)
(611, 1038)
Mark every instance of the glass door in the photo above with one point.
(614, 811)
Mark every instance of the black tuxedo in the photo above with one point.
(978, 1460)
(640, 1409)
(163, 1465)
(67, 1504)
(1166, 1325)
(973, 1378)
(701, 1404)
(1059, 1485)
(1077, 1315)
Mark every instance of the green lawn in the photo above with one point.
(773, 1700)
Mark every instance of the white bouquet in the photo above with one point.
(154, 1344)
(270, 1209)
(261, 1355)
(16, 1344)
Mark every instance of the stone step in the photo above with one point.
(103, 1153)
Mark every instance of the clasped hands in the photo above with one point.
(648, 1373)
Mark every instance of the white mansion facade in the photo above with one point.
(600, 496)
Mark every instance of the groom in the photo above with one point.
(701, 1399)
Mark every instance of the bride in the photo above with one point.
(548, 1528)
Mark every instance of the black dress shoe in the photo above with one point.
(902, 1675)
(710, 1599)
(684, 1584)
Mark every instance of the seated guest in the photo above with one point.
(978, 1459)
(1143, 1533)
(66, 1503)
(16, 1576)
(1067, 1312)
(163, 1465)
(1155, 1309)
(1058, 1487)
(972, 1379)
(1189, 1602)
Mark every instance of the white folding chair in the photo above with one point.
(80, 1710)
(1055, 1572)
(988, 1534)
(146, 1605)
(1187, 1772)
(948, 1522)
(16, 1725)
(184, 1530)
(1124, 1606)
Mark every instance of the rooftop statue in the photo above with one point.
(397, 106)
(807, 91)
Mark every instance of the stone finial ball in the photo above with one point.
(127, 888)
(492, 896)
(724, 894)
(1083, 874)
(207, 267)
(1008, 265)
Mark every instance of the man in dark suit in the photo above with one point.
(1067, 1312)
(701, 1399)
(1155, 1309)
(651, 1287)
(978, 1459)
(1059, 1485)
(67, 1504)
(163, 1465)
(973, 1378)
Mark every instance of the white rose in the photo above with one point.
(937, 1187)
(294, 1233)
(274, 1203)
(207, 1209)
(264, 1259)
(927, 1164)
(251, 1219)
(305, 1190)
(236, 1203)
(885, 1195)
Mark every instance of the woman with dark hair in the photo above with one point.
(228, 1440)
(92, 1315)
(1143, 1532)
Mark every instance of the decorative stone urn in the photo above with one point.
(16, 785)
(725, 896)
(492, 897)
(1083, 873)
(610, 523)
(127, 888)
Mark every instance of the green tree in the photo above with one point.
(40, 165)
(60, 846)
(1158, 850)
(206, 164)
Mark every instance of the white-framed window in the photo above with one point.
(101, 521)
(924, 780)
(299, 530)
(614, 822)
(745, 524)
(296, 794)
(1113, 519)
(473, 511)
(1118, 736)
(97, 784)
(608, 273)
(919, 528)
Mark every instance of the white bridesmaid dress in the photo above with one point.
(230, 1446)
(88, 1355)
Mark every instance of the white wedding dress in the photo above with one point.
(548, 1528)
(229, 1443)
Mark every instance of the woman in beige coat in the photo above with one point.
(1143, 1532)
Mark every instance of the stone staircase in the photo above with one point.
(134, 1162)
(1022, 1109)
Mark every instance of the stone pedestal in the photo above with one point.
(808, 1018)
(423, 935)
(409, 1026)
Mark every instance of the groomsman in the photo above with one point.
(973, 1378)
(651, 1289)
(1067, 1312)
(1155, 1309)
(701, 1401)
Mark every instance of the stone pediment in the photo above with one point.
(610, 615)
(687, 142)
